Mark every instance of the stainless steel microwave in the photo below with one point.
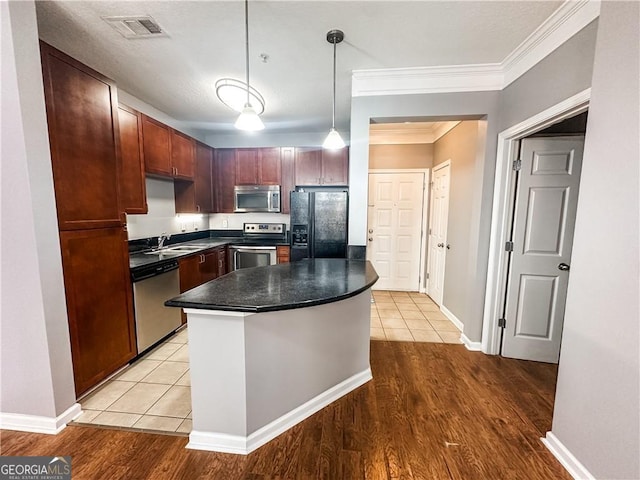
(257, 198)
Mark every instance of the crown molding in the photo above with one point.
(407, 81)
(571, 17)
(400, 134)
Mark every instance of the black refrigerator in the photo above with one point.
(319, 224)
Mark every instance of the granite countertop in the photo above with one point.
(144, 259)
(281, 287)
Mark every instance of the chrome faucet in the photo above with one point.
(163, 238)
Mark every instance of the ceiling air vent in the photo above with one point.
(142, 26)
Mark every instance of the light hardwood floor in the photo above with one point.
(432, 411)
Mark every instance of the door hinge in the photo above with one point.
(429, 231)
(427, 276)
(502, 322)
(508, 246)
(517, 165)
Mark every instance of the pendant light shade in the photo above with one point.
(334, 140)
(248, 119)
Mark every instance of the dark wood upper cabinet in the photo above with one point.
(101, 325)
(167, 152)
(156, 140)
(197, 196)
(287, 156)
(308, 166)
(203, 179)
(246, 166)
(225, 179)
(335, 167)
(133, 193)
(82, 116)
(315, 166)
(183, 155)
(269, 166)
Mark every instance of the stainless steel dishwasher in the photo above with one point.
(152, 286)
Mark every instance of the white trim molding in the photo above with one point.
(449, 314)
(416, 80)
(571, 17)
(566, 458)
(502, 192)
(39, 424)
(471, 346)
(221, 442)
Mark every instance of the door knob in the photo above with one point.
(371, 239)
(448, 246)
(441, 245)
(564, 267)
(371, 230)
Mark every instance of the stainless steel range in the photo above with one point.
(258, 247)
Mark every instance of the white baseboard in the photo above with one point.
(222, 442)
(473, 346)
(38, 424)
(455, 320)
(566, 458)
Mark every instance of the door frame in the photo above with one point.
(426, 191)
(508, 142)
(446, 163)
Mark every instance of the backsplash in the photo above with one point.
(235, 221)
(162, 214)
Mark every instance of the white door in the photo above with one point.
(394, 229)
(438, 230)
(543, 223)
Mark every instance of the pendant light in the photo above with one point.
(334, 140)
(248, 119)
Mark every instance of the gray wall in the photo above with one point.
(35, 366)
(557, 77)
(596, 414)
(419, 155)
(460, 145)
(455, 106)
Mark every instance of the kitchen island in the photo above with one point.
(270, 346)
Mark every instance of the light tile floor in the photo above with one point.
(155, 392)
(410, 317)
(152, 394)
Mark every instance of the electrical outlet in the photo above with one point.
(225, 223)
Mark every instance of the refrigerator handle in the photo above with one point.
(312, 225)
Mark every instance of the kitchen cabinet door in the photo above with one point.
(225, 179)
(189, 272)
(335, 167)
(247, 166)
(308, 166)
(133, 192)
(156, 144)
(202, 181)
(283, 253)
(196, 196)
(222, 261)
(183, 155)
(287, 157)
(208, 265)
(82, 117)
(99, 304)
(269, 166)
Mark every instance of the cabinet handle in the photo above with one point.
(198, 208)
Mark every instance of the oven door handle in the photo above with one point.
(251, 249)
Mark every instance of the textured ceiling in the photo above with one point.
(206, 42)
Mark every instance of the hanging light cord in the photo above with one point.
(246, 31)
(333, 115)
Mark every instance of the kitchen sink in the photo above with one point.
(175, 251)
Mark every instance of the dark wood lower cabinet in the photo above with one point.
(201, 268)
(283, 253)
(99, 303)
